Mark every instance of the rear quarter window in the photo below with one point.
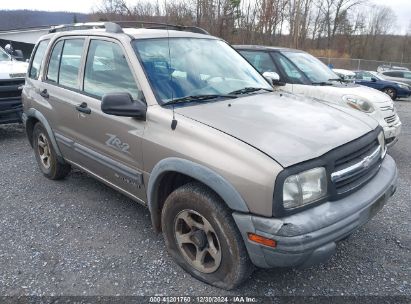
(37, 61)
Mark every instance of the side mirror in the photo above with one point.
(122, 104)
(374, 79)
(273, 78)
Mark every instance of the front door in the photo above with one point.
(109, 146)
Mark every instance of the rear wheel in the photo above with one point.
(46, 156)
(391, 92)
(201, 236)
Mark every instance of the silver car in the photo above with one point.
(234, 173)
(398, 75)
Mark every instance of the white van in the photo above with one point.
(302, 73)
(12, 73)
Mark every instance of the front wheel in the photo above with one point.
(391, 92)
(201, 236)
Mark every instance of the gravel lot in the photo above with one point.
(79, 237)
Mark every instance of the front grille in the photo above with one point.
(390, 119)
(10, 88)
(355, 169)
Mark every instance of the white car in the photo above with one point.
(345, 75)
(12, 73)
(302, 73)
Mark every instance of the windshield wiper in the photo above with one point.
(248, 90)
(323, 83)
(195, 98)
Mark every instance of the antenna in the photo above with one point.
(174, 121)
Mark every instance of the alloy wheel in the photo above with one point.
(197, 241)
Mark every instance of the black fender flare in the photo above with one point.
(199, 172)
(40, 117)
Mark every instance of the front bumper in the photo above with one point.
(11, 110)
(310, 237)
(391, 133)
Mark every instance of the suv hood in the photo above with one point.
(13, 69)
(335, 93)
(287, 128)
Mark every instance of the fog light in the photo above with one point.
(261, 240)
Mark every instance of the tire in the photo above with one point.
(46, 156)
(226, 263)
(391, 92)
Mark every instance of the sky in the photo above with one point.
(402, 8)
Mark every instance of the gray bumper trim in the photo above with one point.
(309, 237)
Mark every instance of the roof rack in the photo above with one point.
(116, 26)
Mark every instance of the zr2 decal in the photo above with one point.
(114, 142)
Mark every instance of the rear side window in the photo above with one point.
(70, 63)
(260, 60)
(53, 71)
(107, 70)
(35, 67)
(394, 74)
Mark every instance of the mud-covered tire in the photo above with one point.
(206, 206)
(46, 156)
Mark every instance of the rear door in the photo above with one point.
(61, 89)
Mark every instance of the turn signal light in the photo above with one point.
(261, 240)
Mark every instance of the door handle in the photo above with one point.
(44, 93)
(83, 108)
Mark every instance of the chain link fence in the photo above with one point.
(360, 64)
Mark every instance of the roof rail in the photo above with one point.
(162, 26)
(116, 26)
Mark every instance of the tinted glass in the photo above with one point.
(107, 70)
(180, 67)
(70, 63)
(53, 70)
(262, 61)
(38, 59)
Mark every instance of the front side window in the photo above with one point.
(313, 68)
(293, 74)
(181, 67)
(107, 70)
(260, 60)
(38, 59)
(70, 63)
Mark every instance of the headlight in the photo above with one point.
(381, 140)
(304, 188)
(403, 86)
(359, 104)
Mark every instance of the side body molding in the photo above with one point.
(201, 173)
(33, 113)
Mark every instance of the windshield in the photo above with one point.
(180, 67)
(3, 55)
(313, 68)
